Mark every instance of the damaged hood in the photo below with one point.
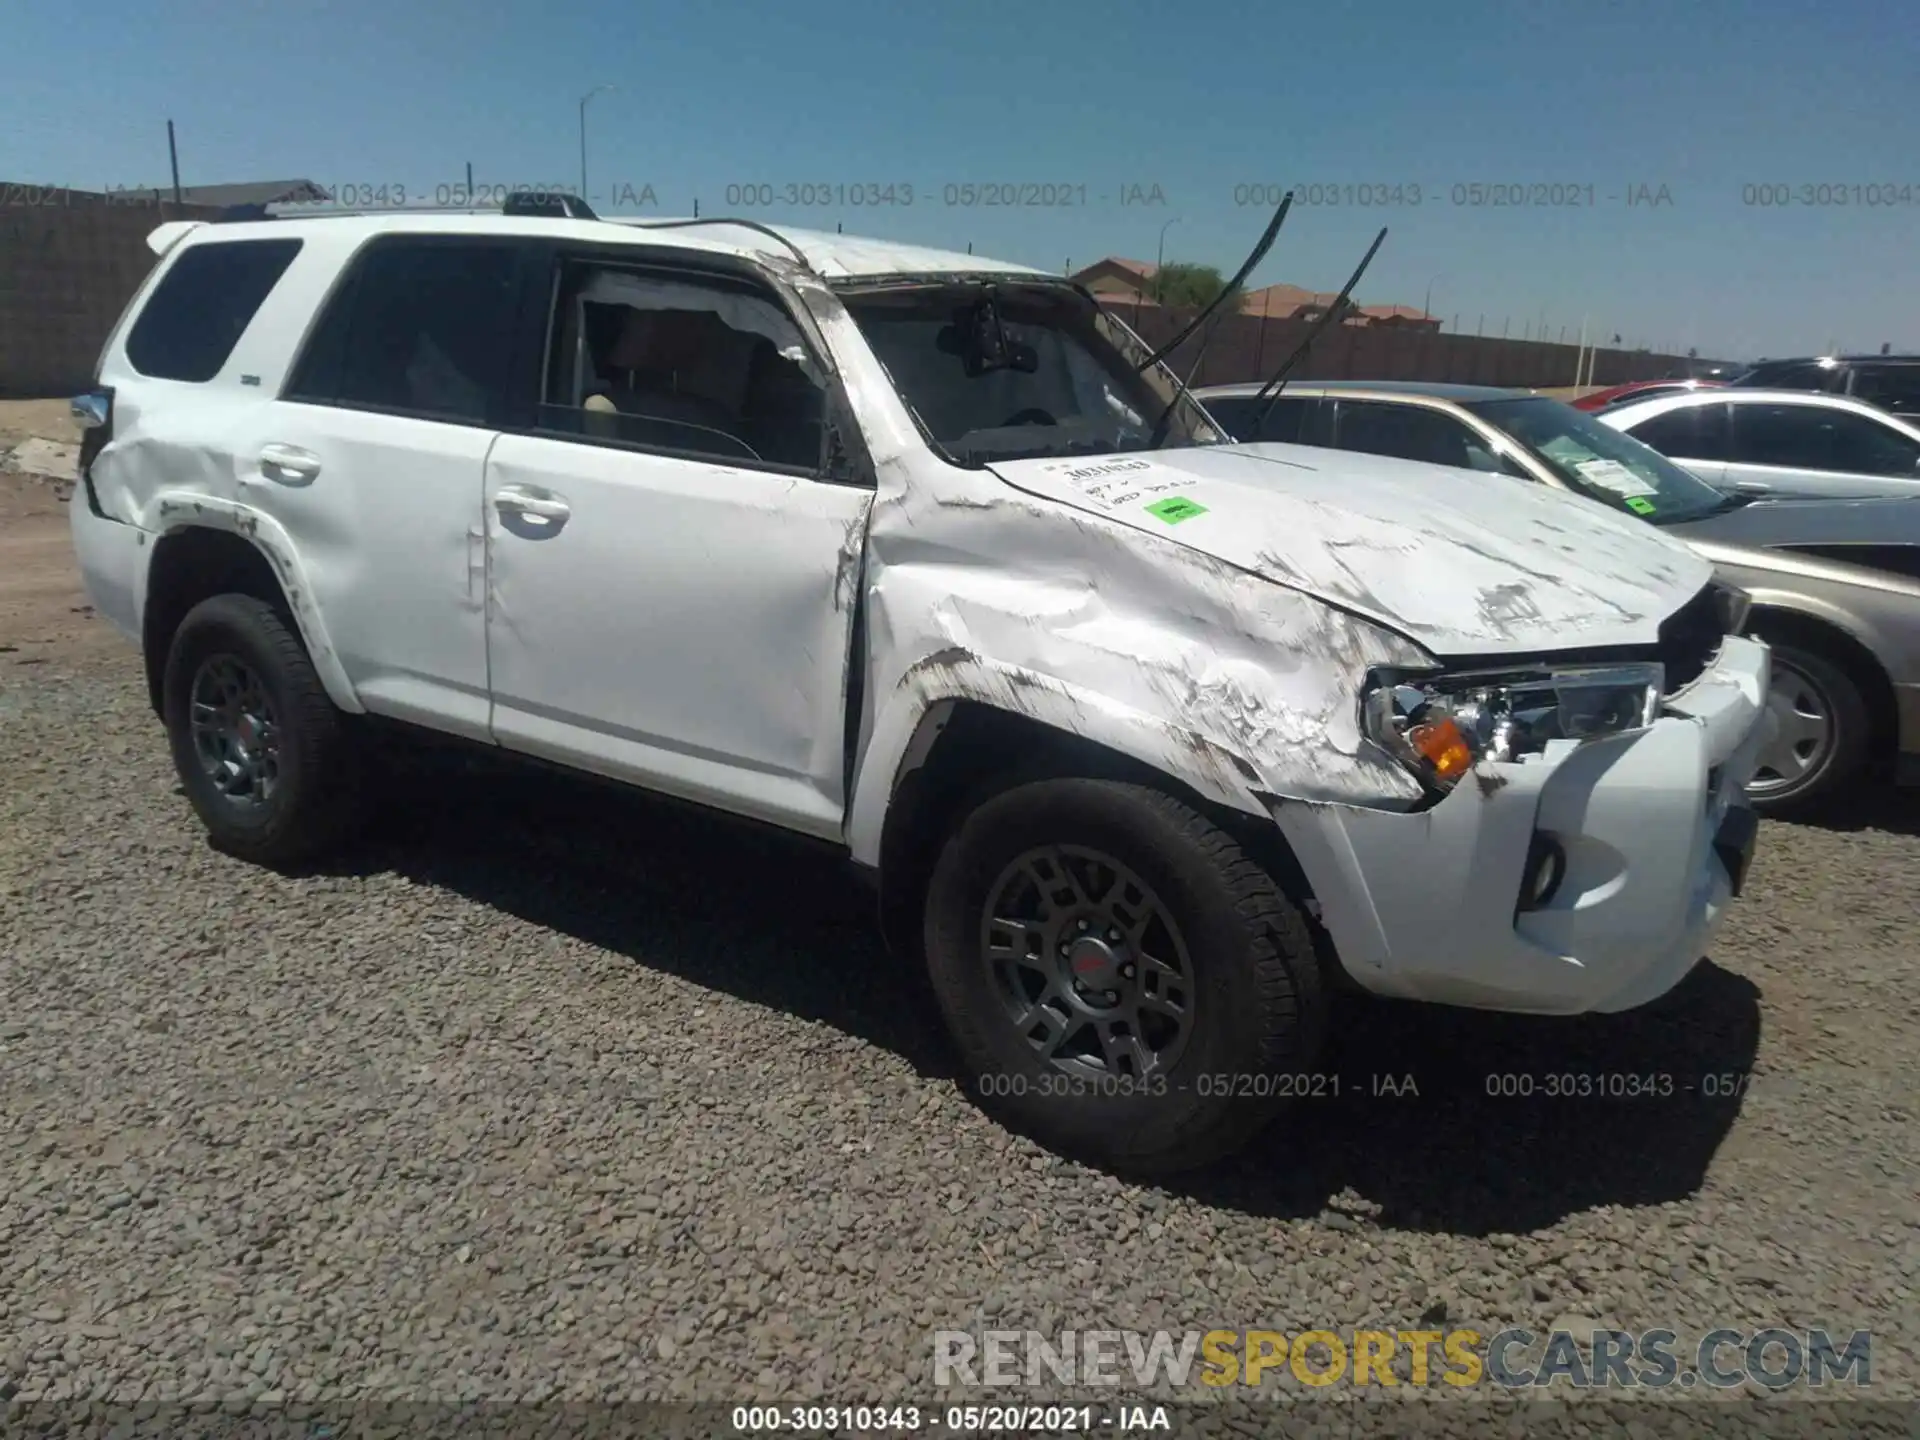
(1461, 562)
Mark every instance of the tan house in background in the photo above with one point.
(1118, 280)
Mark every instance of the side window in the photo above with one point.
(1891, 387)
(1812, 437)
(1864, 446)
(1794, 375)
(688, 364)
(203, 304)
(1406, 432)
(420, 327)
(1696, 432)
(1285, 423)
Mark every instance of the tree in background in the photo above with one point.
(1182, 284)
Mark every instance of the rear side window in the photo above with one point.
(202, 306)
(1891, 387)
(1405, 432)
(1815, 437)
(416, 327)
(1285, 423)
(1794, 375)
(1693, 432)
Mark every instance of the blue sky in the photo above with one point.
(1102, 101)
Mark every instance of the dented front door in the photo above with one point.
(680, 624)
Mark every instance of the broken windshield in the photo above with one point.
(1018, 370)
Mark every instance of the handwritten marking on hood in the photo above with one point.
(1505, 604)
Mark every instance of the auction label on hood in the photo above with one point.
(1612, 475)
(1115, 484)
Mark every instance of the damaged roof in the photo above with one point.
(832, 256)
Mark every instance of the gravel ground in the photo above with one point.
(547, 1091)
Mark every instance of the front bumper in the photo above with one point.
(1654, 827)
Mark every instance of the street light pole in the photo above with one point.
(1426, 305)
(1160, 255)
(583, 135)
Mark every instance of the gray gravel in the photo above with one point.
(547, 1092)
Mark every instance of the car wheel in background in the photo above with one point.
(1822, 736)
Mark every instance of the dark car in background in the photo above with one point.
(1890, 381)
(1835, 582)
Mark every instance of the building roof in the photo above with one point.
(1144, 269)
(1395, 312)
(1283, 300)
(253, 192)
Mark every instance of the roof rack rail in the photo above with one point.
(556, 203)
(306, 210)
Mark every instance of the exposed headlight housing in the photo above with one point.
(1440, 725)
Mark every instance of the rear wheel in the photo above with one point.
(263, 754)
(1121, 979)
(1821, 739)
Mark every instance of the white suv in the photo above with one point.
(1147, 737)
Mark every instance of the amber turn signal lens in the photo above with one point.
(1444, 747)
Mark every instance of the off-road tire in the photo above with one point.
(319, 797)
(1259, 1013)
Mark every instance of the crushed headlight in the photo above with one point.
(1440, 725)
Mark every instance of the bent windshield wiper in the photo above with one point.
(1159, 432)
(1232, 287)
(1306, 341)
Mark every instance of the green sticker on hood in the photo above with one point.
(1174, 509)
(1640, 505)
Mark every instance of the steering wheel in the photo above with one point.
(1032, 415)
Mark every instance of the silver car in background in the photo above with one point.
(1788, 442)
(1835, 583)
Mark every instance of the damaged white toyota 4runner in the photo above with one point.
(1143, 734)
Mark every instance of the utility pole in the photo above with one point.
(583, 135)
(1159, 259)
(173, 158)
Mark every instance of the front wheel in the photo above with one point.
(1122, 981)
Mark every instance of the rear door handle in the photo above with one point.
(289, 464)
(512, 500)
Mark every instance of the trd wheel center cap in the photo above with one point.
(1093, 964)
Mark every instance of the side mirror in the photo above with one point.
(90, 411)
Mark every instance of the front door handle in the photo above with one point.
(289, 464)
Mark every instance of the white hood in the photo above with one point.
(1462, 562)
